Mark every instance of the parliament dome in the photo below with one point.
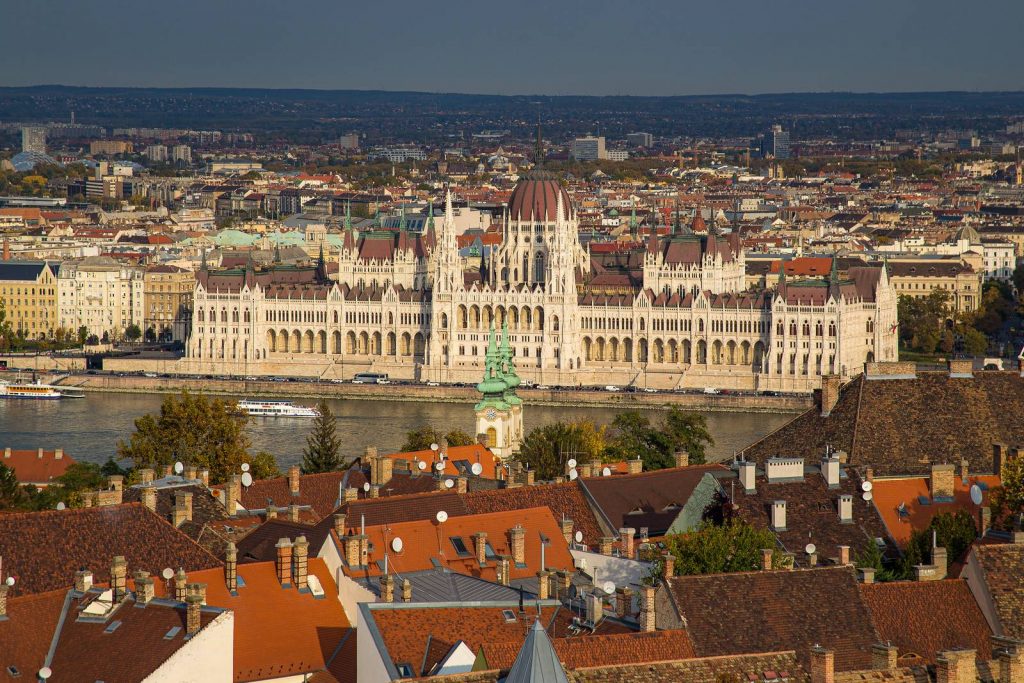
(535, 197)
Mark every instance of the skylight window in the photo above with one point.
(460, 546)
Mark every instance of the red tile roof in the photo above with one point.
(890, 493)
(565, 500)
(39, 467)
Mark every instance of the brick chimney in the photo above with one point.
(965, 467)
(1009, 654)
(1000, 452)
(351, 545)
(668, 565)
(387, 588)
(963, 369)
(517, 538)
(956, 666)
(232, 492)
(778, 515)
(480, 545)
(231, 568)
(293, 479)
(583, 469)
(984, 519)
(626, 548)
(747, 472)
(193, 612)
(462, 483)
(149, 497)
(180, 583)
(682, 458)
(624, 601)
(823, 665)
(648, 618)
(766, 559)
(146, 475)
(846, 508)
(942, 481)
(567, 531)
(635, 466)
(283, 562)
(115, 482)
(197, 589)
(204, 476)
(301, 556)
(271, 511)
(339, 524)
(191, 472)
(605, 545)
(119, 578)
(83, 580)
(351, 494)
(829, 393)
(844, 555)
(406, 590)
(884, 656)
(182, 508)
(144, 588)
(293, 513)
(3, 600)
(381, 469)
(543, 584)
(504, 570)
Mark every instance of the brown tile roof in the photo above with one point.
(729, 614)
(608, 650)
(317, 490)
(565, 500)
(1002, 567)
(36, 467)
(407, 508)
(205, 509)
(28, 631)
(259, 544)
(45, 549)
(900, 426)
(923, 618)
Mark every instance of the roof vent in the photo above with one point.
(112, 627)
(175, 630)
(13, 671)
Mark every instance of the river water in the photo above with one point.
(88, 429)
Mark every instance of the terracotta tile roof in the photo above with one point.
(459, 460)
(565, 500)
(259, 544)
(900, 426)
(812, 513)
(609, 650)
(278, 632)
(427, 544)
(205, 509)
(317, 490)
(648, 499)
(1002, 567)
(923, 618)
(28, 631)
(45, 549)
(729, 614)
(38, 467)
(890, 493)
(407, 508)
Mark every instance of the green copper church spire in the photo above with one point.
(512, 380)
(493, 385)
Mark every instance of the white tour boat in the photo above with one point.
(33, 391)
(275, 409)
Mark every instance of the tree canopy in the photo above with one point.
(207, 433)
(420, 439)
(323, 445)
(713, 549)
(546, 449)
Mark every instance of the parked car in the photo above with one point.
(711, 390)
(612, 387)
(433, 384)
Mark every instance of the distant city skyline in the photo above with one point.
(528, 48)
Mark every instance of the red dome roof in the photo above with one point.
(535, 197)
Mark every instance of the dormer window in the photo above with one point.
(460, 546)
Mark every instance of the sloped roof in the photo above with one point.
(565, 500)
(766, 611)
(1002, 568)
(537, 661)
(45, 549)
(33, 467)
(890, 493)
(922, 618)
(901, 426)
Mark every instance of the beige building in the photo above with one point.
(110, 147)
(28, 290)
(100, 294)
(167, 293)
(919, 277)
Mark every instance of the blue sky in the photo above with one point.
(642, 47)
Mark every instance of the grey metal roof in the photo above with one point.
(537, 661)
(442, 585)
(21, 270)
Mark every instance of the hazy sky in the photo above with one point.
(658, 47)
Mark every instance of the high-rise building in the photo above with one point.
(640, 139)
(775, 144)
(588, 149)
(33, 139)
(157, 154)
(181, 154)
(349, 141)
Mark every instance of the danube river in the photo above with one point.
(89, 428)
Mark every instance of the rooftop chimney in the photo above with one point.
(115, 482)
(339, 524)
(867, 574)
(351, 493)
(543, 584)
(747, 471)
(293, 479)
(635, 466)
(965, 466)
(149, 497)
(144, 588)
(182, 508)
(778, 514)
(884, 656)
(231, 568)
(595, 608)
(301, 562)
(293, 512)
(119, 578)
(504, 570)
(1009, 653)
(193, 614)
(767, 559)
(284, 562)
(829, 393)
(648, 618)
(956, 666)
(517, 537)
(191, 472)
(146, 475)
(480, 541)
(682, 458)
(180, 583)
(232, 492)
(844, 555)
(605, 545)
(626, 535)
(942, 481)
(668, 565)
(406, 590)
(846, 508)
(963, 369)
(3, 601)
(197, 589)
(204, 476)
(823, 665)
(83, 580)
(830, 471)
(387, 588)
(567, 532)
(381, 468)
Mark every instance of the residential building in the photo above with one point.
(349, 141)
(33, 139)
(29, 291)
(181, 154)
(919, 277)
(110, 147)
(157, 154)
(101, 295)
(232, 166)
(617, 155)
(167, 293)
(399, 155)
(775, 143)
(588, 149)
(640, 139)
(36, 467)
(675, 313)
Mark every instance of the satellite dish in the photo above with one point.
(45, 672)
(609, 587)
(61, 505)
(421, 464)
(477, 469)
(178, 467)
(578, 536)
(866, 486)
(396, 544)
(442, 516)
(366, 486)
(810, 549)
(976, 494)
(571, 462)
(167, 573)
(9, 581)
(448, 483)
(573, 474)
(439, 466)
(245, 467)
(606, 472)
(434, 446)
(247, 479)
(867, 495)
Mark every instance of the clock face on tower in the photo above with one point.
(491, 413)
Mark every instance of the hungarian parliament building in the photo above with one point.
(672, 312)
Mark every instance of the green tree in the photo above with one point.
(207, 433)
(83, 334)
(688, 432)
(953, 531)
(1008, 498)
(7, 337)
(323, 443)
(68, 488)
(633, 435)
(922, 321)
(12, 497)
(871, 556)
(421, 438)
(132, 332)
(975, 343)
(712, 549)
(546, 449)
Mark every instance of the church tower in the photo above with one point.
(499, 413)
